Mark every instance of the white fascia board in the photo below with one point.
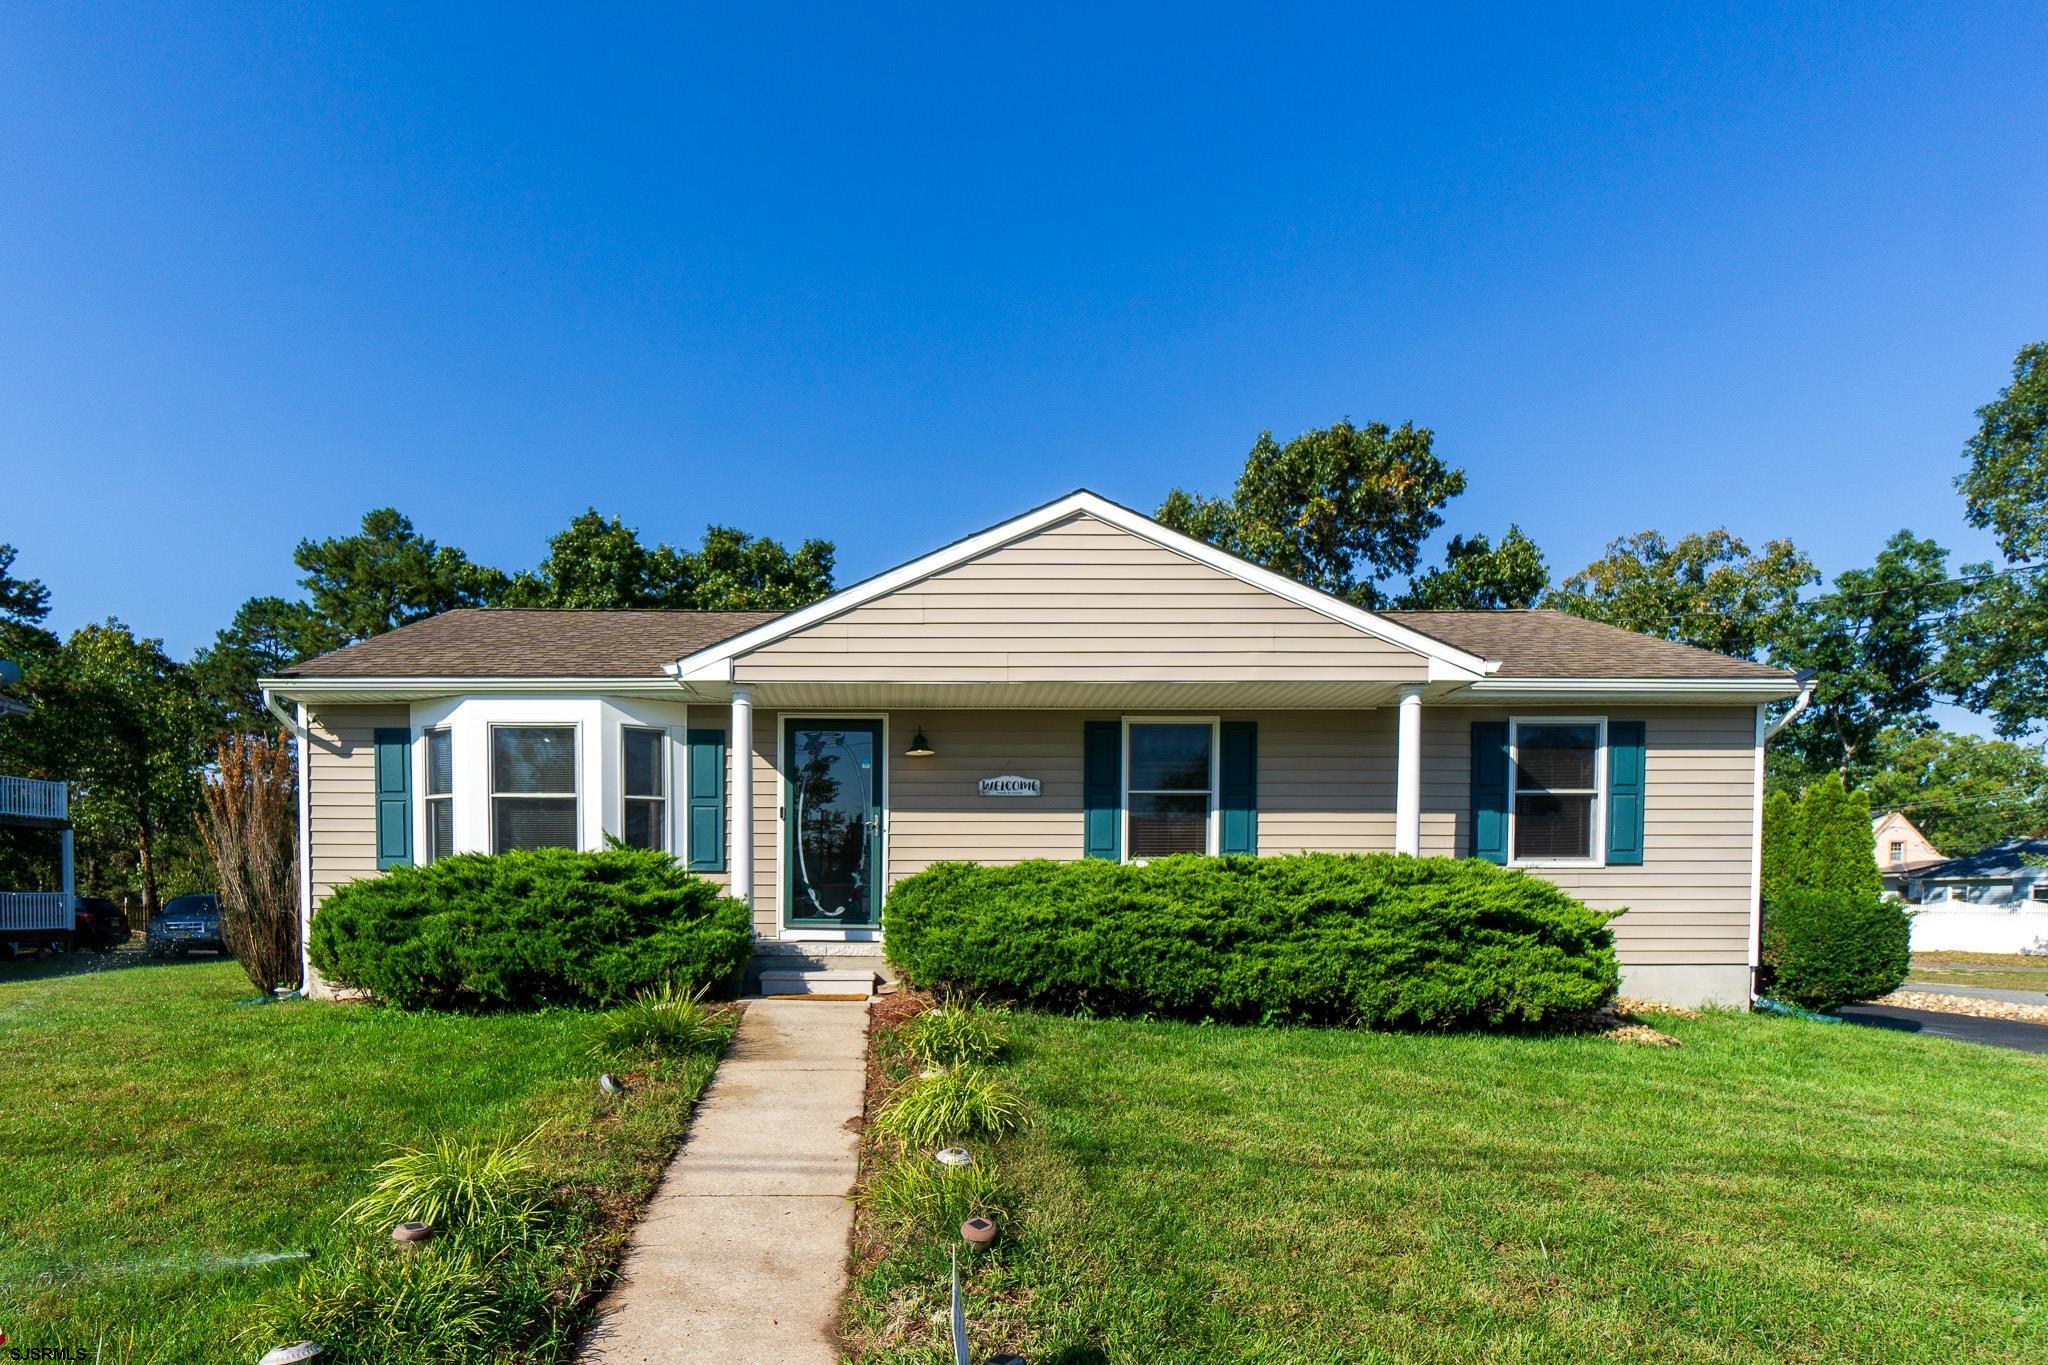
(316, 689)
(1748, 690)
(1445, 663)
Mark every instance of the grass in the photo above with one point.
(162, 1146)
(2000, 971)
(1771, 1190)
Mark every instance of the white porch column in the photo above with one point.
(1408, 775)
(741, 860)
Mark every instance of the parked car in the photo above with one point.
(100, 923)
(185, 923)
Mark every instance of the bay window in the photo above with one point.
(643, 774)
(440, 794)
(533, 787)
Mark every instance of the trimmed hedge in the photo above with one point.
(1828, 948)
(1380, 940)
(547, 927)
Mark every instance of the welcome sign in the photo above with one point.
(1009, 786)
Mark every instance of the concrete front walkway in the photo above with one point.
(742, 1255)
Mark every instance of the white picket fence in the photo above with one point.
(34, 910)
(31, 798)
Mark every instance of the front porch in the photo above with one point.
(41, 809)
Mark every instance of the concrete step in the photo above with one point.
(834, 980)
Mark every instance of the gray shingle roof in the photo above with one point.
(1551, 644)
(2008, 859)
(518, 643)
(505, 642)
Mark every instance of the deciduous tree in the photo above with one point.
(599, 562)
(1707, 590)
(1480, 576)
(1340, 509)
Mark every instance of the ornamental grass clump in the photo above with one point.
(666, 1022)
(950, 1034)
(1378, 940)
(949, 1105)
(917, 1193)
(452, 1185)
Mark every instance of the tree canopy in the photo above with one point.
(1965, 792)
(2005, 488)
(599, 562)
(1707, 589)
(1341, 508)
(1480, 576)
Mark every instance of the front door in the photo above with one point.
(832, 823)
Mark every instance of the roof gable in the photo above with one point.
(1085, 550)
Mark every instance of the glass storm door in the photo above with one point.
(832, 823)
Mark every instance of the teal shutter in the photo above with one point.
(1490, 790)
(704, 787)
(1238, 787)
(394, 798)
(1625, 792)
(1102, 795)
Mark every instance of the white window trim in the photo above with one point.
(1599, 831)
(428, 796)
(2037, 891)
(665, 745)
(1214, 824)
(491, 793)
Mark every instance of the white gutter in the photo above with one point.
(295, 724)
(1805, 698)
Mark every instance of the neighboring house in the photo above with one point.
(1079, 681)
(1995, 901)
(33, 919)
(1902, 849)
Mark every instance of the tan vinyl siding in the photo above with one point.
(1689, 902)
(341, 795)
(1080, 601)
(937, 813)
(1326, 782)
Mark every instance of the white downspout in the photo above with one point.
(1805, 699)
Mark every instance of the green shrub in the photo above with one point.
(1378, 940)
(662, 1023)
(1826, 948)
(944, 1106)
(917, 1192)
(950, 1034)
(453, 1185)
(550, 926)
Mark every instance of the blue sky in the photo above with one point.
(885, 275)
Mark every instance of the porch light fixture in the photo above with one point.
(920, 747)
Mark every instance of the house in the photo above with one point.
(35, 919)
(1902, 849)
(1078, 681)
(1995, 901)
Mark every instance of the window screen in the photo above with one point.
(1556, 769)
(1170, 792)
(533, 787)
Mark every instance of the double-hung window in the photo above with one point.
(643, 770)
(1557, 767)
(1898, 852)
(533, 787)
(1171, 767)
(440, 796)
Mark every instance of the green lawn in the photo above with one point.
(2000, 971)
(160, 1142)
(1772, 1190)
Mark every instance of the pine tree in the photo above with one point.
(1784, 844)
